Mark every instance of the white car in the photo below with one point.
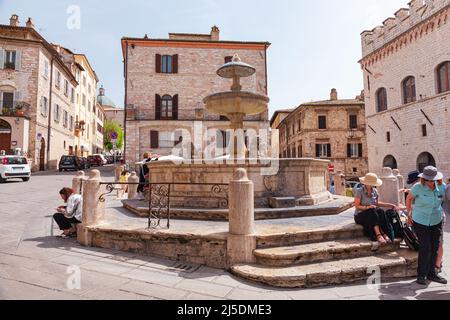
(14, 167)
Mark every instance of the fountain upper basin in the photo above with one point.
(247, 103)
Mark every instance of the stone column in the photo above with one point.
(339, 183)
(118, 170)
(93, 209)
(132, 188)
(401, 185)
(77, 182)
(388, 192)
(241, 239)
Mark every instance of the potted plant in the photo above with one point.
(20, 109)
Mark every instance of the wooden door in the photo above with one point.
(5, 136)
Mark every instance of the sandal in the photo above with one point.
(381, 239)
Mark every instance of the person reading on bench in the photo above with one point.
(368, 210)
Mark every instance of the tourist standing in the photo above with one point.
(368, 210)
(143, 171)
(425, 213)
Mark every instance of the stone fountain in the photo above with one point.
(278, 183)
(236, 104)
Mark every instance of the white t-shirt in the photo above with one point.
(74, 207)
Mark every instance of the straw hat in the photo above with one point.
(371, 179)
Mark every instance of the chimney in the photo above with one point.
(215, 33)
(333, 95)
(14, 20)
(30, 23)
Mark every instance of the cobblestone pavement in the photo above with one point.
(34, 264)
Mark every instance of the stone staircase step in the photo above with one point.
(306, 236)
(393, 265)
(321, 251)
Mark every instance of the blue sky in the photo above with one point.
(315, 44)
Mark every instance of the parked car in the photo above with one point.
(95, 160)
(70, 163)
(14, 167)
(85, 163)
(104, 161)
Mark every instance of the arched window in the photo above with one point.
(166, 107)
(424, 160)
(443, 76)
(390, 162)
(409, 90)
(381, 100)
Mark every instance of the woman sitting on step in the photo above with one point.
(70, 215)
(368, 210)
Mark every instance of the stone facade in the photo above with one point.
(412, 130)
(193, 78)
(32, 82)
(341, 141)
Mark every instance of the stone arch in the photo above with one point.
(390, 162)
(425, 159)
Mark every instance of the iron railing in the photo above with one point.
(160, 194)
(14, 108)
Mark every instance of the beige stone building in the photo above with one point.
(166, 81)
(406, 64)
(333, 129)
(36, 96)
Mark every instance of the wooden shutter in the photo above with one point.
(158, 63)
(175, 63)
(317, 150)
(154, 139)
(360, 150)
(349, 150)
(329, 150)
(157, 107)
(2, 58)
(18, 60)
(175, 107)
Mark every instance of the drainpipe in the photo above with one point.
(50, 113)
(125, 104)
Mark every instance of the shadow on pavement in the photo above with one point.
(403, 291)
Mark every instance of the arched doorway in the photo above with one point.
(5, 136)
(425, 159)
(42, 156)
(390, 162)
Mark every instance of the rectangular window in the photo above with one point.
(57, 113)
(66, 88)
(65, 118)
(166, 63)
(84, 81)
(323, 150)
(46, 68)
(10, 59)
(99, 128)
(322, 122)
(354, 150)
(388, 136)
(71, 123)
(299, 125)
(44, 106)
(58, 79)
(353, 121)
(83, 100)
(424, 130)
(72, 95)
(300, 150)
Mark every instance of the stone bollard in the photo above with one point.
(388, 192)
(339, 183)
(241, 239)
(132, 188)
(93, 209)
(77, 182)
(401, 185)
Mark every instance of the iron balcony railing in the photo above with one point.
(14, 108)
